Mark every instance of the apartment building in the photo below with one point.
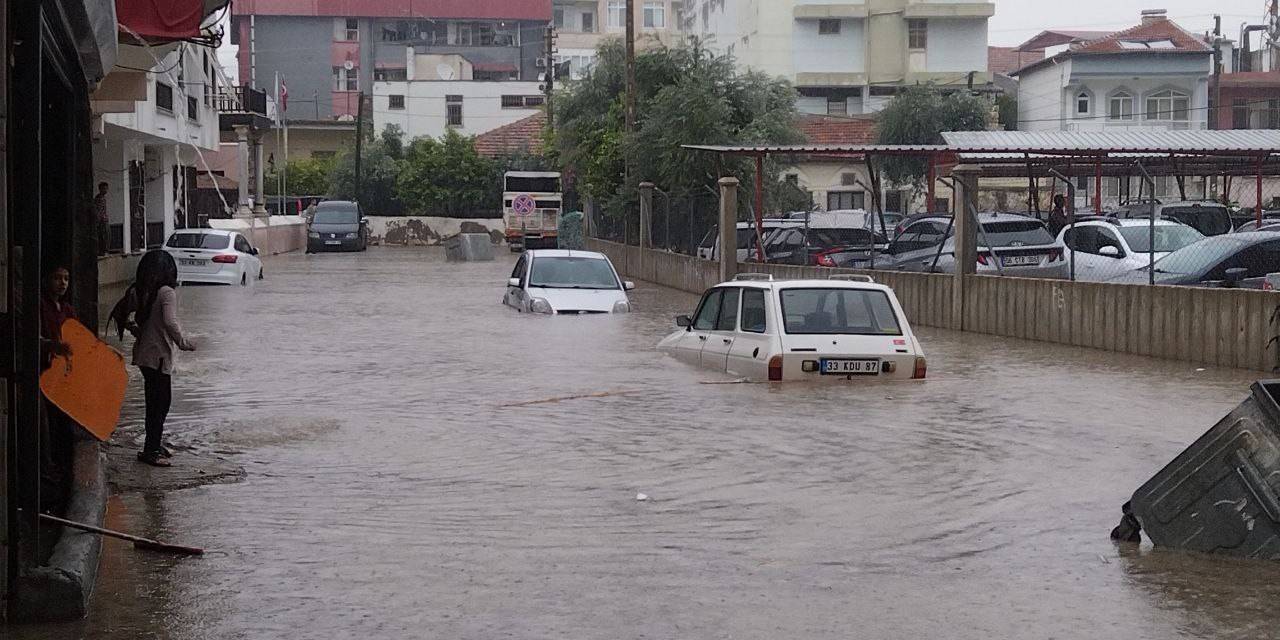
(849, 58)
(581, 25)
(329, 52)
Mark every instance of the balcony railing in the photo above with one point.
(242, 99)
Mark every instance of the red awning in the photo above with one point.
(494, 66)
(158, 21)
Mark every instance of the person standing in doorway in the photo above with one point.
(57, 430)
(100, 213)
(1058, 217)
(149, 310)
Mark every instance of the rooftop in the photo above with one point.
(820, 129)
(1157, 35)
(521, 136)
(1006, 60)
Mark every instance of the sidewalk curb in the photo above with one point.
(60, 591)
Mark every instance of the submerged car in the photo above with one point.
(213, 256)
(763, 329)
(337, 225)
(564, 282)
(1104, 249)
(1231, 260)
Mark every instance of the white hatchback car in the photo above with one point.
(761, 329)
(214, 256)
(1104, 249)
(559, 281)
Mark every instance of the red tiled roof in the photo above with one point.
(1006, 60)
(1055, 37)
(1155, 30)
(524, 135)
(837, 130)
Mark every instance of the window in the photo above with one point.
(199, 241)
(588, 23)
(728, 318)
(1120, 107)
(754, 317)
(1082, 103)
(557, 18)
(893, 201)
(390, 75)
(352, 31)
(453, 110)
(709, 312)
(841, 200)
(395, 102)
(848, 179)
(837, 106)
(655, 15)
(243, 245)
(828, 27)
(917, 33)
(1240, 113)
(193, 109)
(838, 312)
(1168, 106)
(346, 79)
(618, 13)
(522, 102)
(164, 97)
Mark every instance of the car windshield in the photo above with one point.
(572, 273)
(199, 241)
(1211, 221)
(838, 311)
(1168, 237)
(1015, 233)
(337, 216)
(840, 237)
(1199, 256)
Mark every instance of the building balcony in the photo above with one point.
(242, 106)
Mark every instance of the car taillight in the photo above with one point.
(982, 258)
(1055, 255)
(225, 258)
(825, 260)
(922, 368)
(775, 368)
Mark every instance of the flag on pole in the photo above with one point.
(284, 96)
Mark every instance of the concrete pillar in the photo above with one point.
(646, 215)
(242, 160)
(966, 238)
(259, 194)
(728, 228)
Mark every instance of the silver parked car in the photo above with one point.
(1021, 244)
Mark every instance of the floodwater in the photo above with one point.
(395, 489)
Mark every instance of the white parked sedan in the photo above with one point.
(1104, 249)
(557, 281)
(214, 256)
(761, 329)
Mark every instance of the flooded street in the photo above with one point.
(392, 489)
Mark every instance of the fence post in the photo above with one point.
(646, 215)
(966, 243)
(728, 228)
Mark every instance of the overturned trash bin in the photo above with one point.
(1220, 495)
(469, 247)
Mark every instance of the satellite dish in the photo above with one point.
(348, 65)
(444, 71)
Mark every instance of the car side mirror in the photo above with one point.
(1110, 251)
(628, 285)
(364, 222)
(513, 282)
(684, 321)
(1235, 275)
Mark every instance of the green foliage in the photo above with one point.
(305, 176)
(446, 176)
(1008, 106)
(380, 168)
(684, 96)
(919, 115)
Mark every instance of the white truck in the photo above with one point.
(531, 207)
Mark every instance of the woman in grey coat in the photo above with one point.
(149, 310)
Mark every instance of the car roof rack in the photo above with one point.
(768, 277)
(852, 277)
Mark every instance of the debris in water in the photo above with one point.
(1199, 370)
(738, 381)
(604, 394)
(642, 497)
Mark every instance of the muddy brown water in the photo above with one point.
(392, 492)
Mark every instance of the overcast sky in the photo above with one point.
(1016, 21)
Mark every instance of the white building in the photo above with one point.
(440, 93)
(150, 131)
(849, 58)
(1155, 75)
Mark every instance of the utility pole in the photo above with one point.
(631, 67)
(359, 143)
(550, 85)
(1215, 116)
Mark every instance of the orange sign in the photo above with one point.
(89, 385)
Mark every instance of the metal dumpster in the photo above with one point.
(1221, 494)
(469, 247)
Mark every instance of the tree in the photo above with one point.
(1008, 105)
(380, 168)
(919, 115)
(305, 177)
(445, 176)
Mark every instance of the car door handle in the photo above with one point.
(728, 340)
(702, 338)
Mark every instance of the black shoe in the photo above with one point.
(164, 452)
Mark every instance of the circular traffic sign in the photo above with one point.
(524, 205)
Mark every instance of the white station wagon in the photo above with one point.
(761, 329)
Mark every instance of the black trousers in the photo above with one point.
(158, 391)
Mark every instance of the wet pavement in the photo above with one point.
(399, 484)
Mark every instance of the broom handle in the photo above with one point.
(139, 542)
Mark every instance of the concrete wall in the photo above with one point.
(271, 236)
(1213, 327)
(832, 53)
(299, 49)
(958, 45)
(426, 230)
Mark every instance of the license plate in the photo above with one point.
(191, 263)
(850, 367)
(333, 242)
(1020, 261)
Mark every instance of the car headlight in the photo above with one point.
(540, 305)
(622, 306)
(352, 236)
(313, 234)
